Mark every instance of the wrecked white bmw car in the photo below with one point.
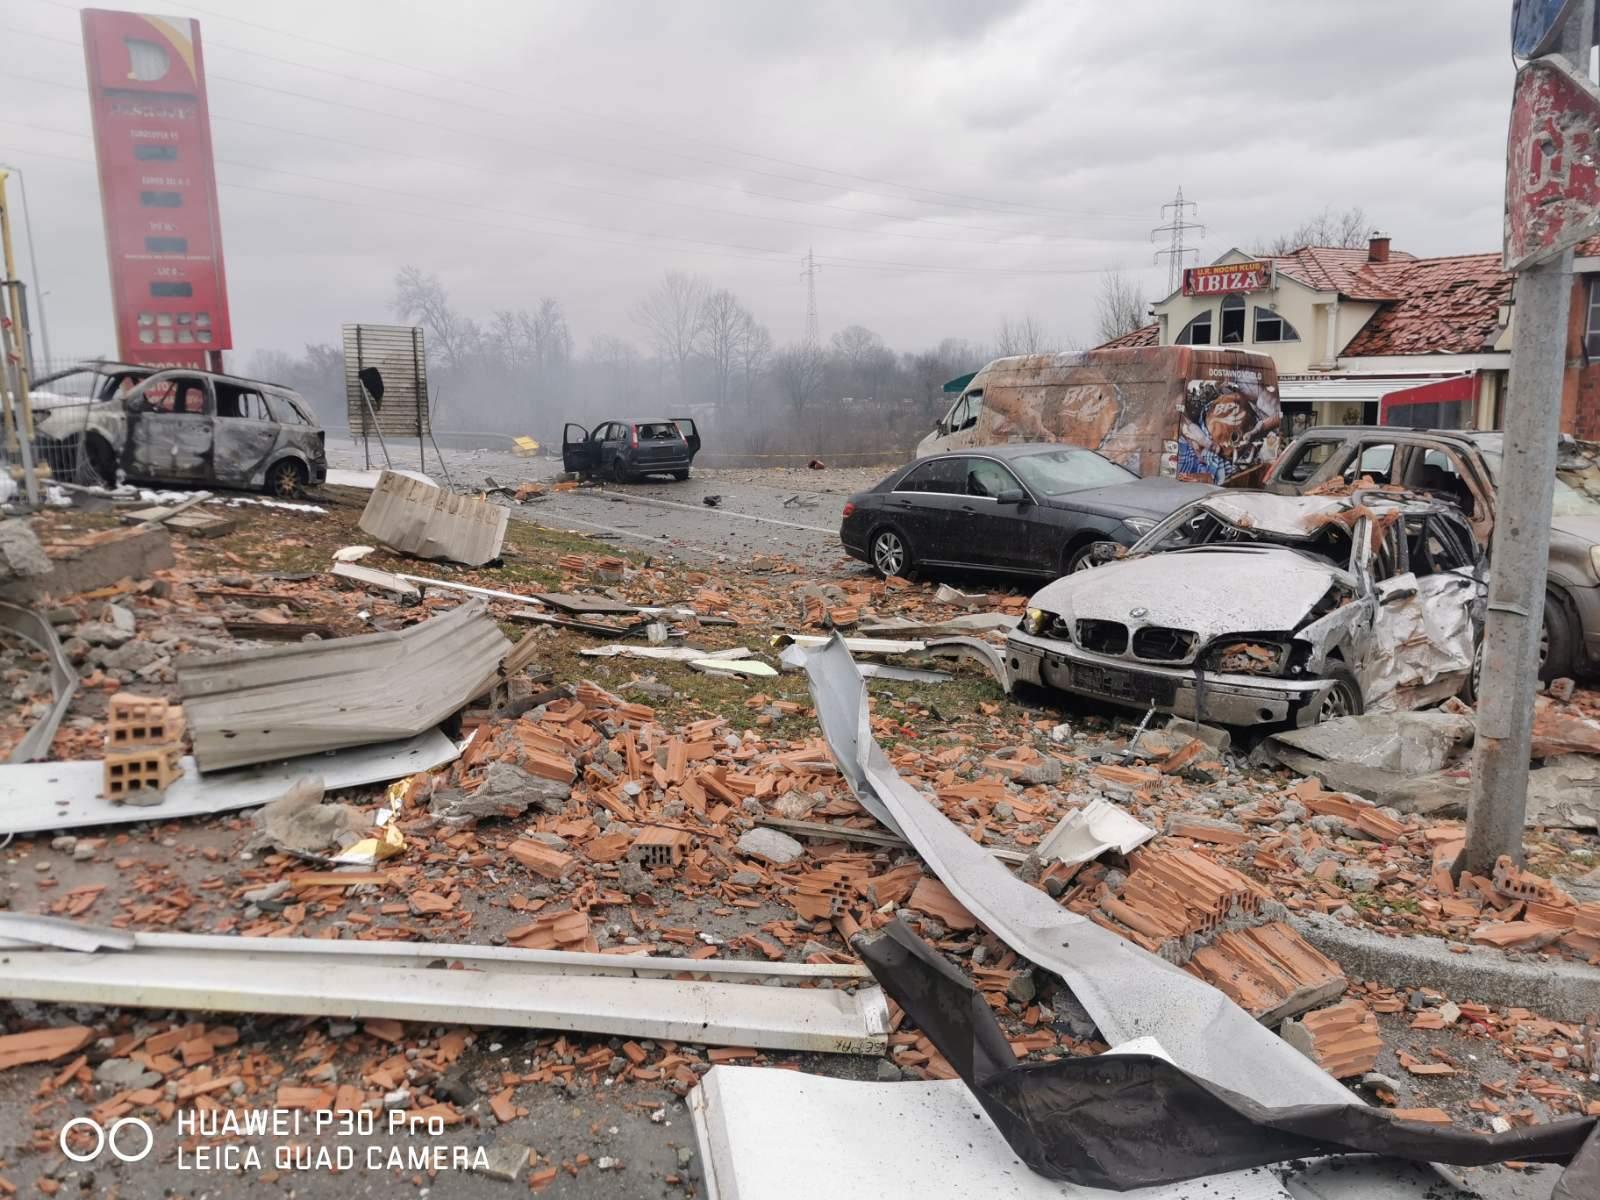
(1249, 609)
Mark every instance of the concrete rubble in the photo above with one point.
(621, 806)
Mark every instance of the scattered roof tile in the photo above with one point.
(1145, 335)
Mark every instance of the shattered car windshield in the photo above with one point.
(1057, 472)
(1197, 526)
(1568, 500)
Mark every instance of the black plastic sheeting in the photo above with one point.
(1133, 1120)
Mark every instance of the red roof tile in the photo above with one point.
(1145, 335)
(1337, 269)
(1435, 306)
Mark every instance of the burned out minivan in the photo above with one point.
(177, 426)
(1199, 414)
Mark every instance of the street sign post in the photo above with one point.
(1551, 203)
(1552, 163)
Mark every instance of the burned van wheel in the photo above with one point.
(286, 479)
(1343, 699)
(890, 554)
(680, 476)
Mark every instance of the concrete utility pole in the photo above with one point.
(33, 263)
(14, 359)
(1521, 547)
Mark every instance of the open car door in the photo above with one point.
(578, 453)
(691, 435)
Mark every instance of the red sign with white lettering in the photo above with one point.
(158, 187)
(1552, 177)
(1232, 277)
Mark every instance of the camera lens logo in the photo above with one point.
(109, 1137)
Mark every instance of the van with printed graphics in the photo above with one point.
(1190, 412)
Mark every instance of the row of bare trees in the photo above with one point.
(701, 351)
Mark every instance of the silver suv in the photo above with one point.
(177, 426)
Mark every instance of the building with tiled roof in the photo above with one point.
(1145, 335)
(1350, 329)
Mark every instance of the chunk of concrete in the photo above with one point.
(298, 821)
(506, 790)
(770, 846)
(21, 555)
(1219, 740)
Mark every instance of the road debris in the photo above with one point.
(430, 522)
(261, 705)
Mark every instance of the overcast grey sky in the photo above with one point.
(951, 163)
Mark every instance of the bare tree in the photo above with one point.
(863, 360)
(1025, 336)
(547, 336)
(1349, 229)
(617, 365)
(421, 298)
(673, 313)
(755, 347)
(797, 370)
(1120, 307)
(724, 324)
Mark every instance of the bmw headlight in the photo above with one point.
(1035, 621)
(1139, 525)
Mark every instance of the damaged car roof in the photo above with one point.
(1299, 516)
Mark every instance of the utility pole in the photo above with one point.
(18, 409)
(1544, 219)
(1177, 227)
(813, 333)
(50, 364)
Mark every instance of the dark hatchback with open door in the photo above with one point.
(625, 450)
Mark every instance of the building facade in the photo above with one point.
(1580, 398)
(1359, 336)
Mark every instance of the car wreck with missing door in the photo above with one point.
(147, 425)
(1255, 609)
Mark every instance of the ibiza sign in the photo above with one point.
(1231, 277)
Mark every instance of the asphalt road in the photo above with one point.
(789, 512)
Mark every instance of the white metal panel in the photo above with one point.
(783, 1135)
(66, 795)
(830, 1020)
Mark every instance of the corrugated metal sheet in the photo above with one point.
(424, 521)
(398, 354)
(279, 702)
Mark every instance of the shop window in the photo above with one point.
(1197, 332)
(1591, 334)
(1270, 327)
(1232, 320)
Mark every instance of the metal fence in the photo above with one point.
(60, 394)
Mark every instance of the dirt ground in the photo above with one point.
(595, 1128)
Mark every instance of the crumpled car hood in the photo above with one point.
(1212, 591)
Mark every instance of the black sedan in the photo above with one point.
(1023, 510)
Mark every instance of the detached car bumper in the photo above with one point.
(1183, 692)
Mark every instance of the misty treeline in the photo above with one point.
(690, 349)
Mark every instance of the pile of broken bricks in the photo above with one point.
(591, 822)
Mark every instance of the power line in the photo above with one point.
(458, 164)
(726, 249)
(1177, 227)
(299, 36)
(603, 164)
